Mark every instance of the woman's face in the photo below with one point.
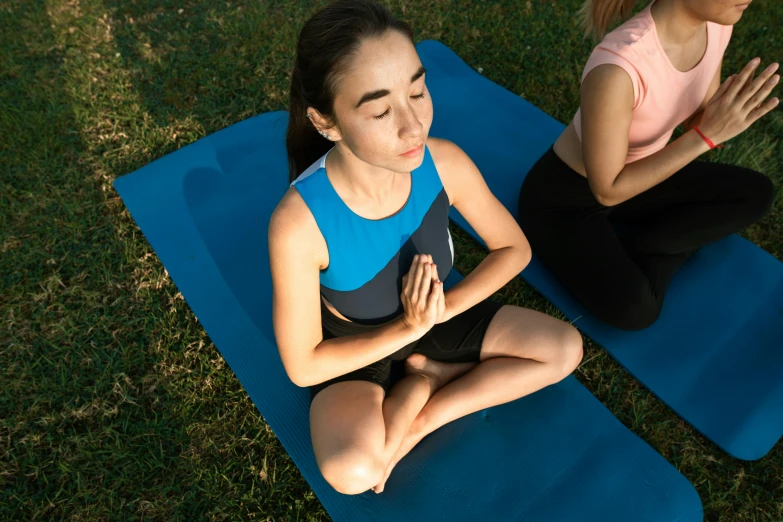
(382, 108)
(723, 12)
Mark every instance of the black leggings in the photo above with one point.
(618, 261)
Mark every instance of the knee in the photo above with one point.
(352, 472)
(571, 351)
(633, 311)
(759, 195)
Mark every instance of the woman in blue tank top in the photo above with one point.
(360, 246)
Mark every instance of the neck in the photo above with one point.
(360, 178)
(675, 23)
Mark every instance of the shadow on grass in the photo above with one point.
(114, 403)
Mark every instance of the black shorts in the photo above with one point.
(457, 340)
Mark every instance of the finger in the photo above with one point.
(425, 283)
(432, 300)
(723, 88)
(742, 77)
(762, 94)
(418, 274)
(435, 276)
(758, 84)
(757, 113)
(441, 300)
(407, 280)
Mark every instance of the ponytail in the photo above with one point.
(302, 140)
(326, 44)
(598, 15)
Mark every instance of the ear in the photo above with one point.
(323, 125)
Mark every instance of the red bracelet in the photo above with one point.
(709, 141)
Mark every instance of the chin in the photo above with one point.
(729, 18)
(406, 165)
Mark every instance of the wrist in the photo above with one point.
(707, 138)
(448, 314)
(413, 332)
(697, 141)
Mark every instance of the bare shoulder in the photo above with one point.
(446, 154)
(292, 226)
(607, 82)
(453, 164)
(457, 172)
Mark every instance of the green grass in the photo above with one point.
(115, 404)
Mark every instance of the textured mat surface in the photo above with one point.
(558, 455)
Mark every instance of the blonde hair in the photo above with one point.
(598, 15)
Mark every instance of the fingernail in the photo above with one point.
(756, 60)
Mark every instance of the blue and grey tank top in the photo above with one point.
(368, 258)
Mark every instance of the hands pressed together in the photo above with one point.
(739, 102)
(423, 300)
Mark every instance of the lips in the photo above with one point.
(744, 6)
(412, 152)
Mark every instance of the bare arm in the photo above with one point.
(607, 106)
(297, 252)
(607, 102)
(509, 251)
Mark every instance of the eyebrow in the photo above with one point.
(380, 93)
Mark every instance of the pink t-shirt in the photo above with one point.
(664, 97)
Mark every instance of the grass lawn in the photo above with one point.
(114, 404)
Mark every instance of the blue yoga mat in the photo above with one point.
(715, 355)
(558, 455)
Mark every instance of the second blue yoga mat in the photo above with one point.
(715, 355)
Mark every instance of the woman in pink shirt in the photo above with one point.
(615, 164)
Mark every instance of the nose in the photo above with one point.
(409, 125)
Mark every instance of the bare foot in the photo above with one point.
(438, 373)
(408, 443)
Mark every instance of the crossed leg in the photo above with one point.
(359, 436)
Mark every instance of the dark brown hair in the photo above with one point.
(327, 42)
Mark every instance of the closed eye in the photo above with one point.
(386, 113)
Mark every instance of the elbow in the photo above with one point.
(300, 380)
(605, 200)
(603, 188)
(301, 375)
(522, 254)
(525, 256)
(606, 197)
